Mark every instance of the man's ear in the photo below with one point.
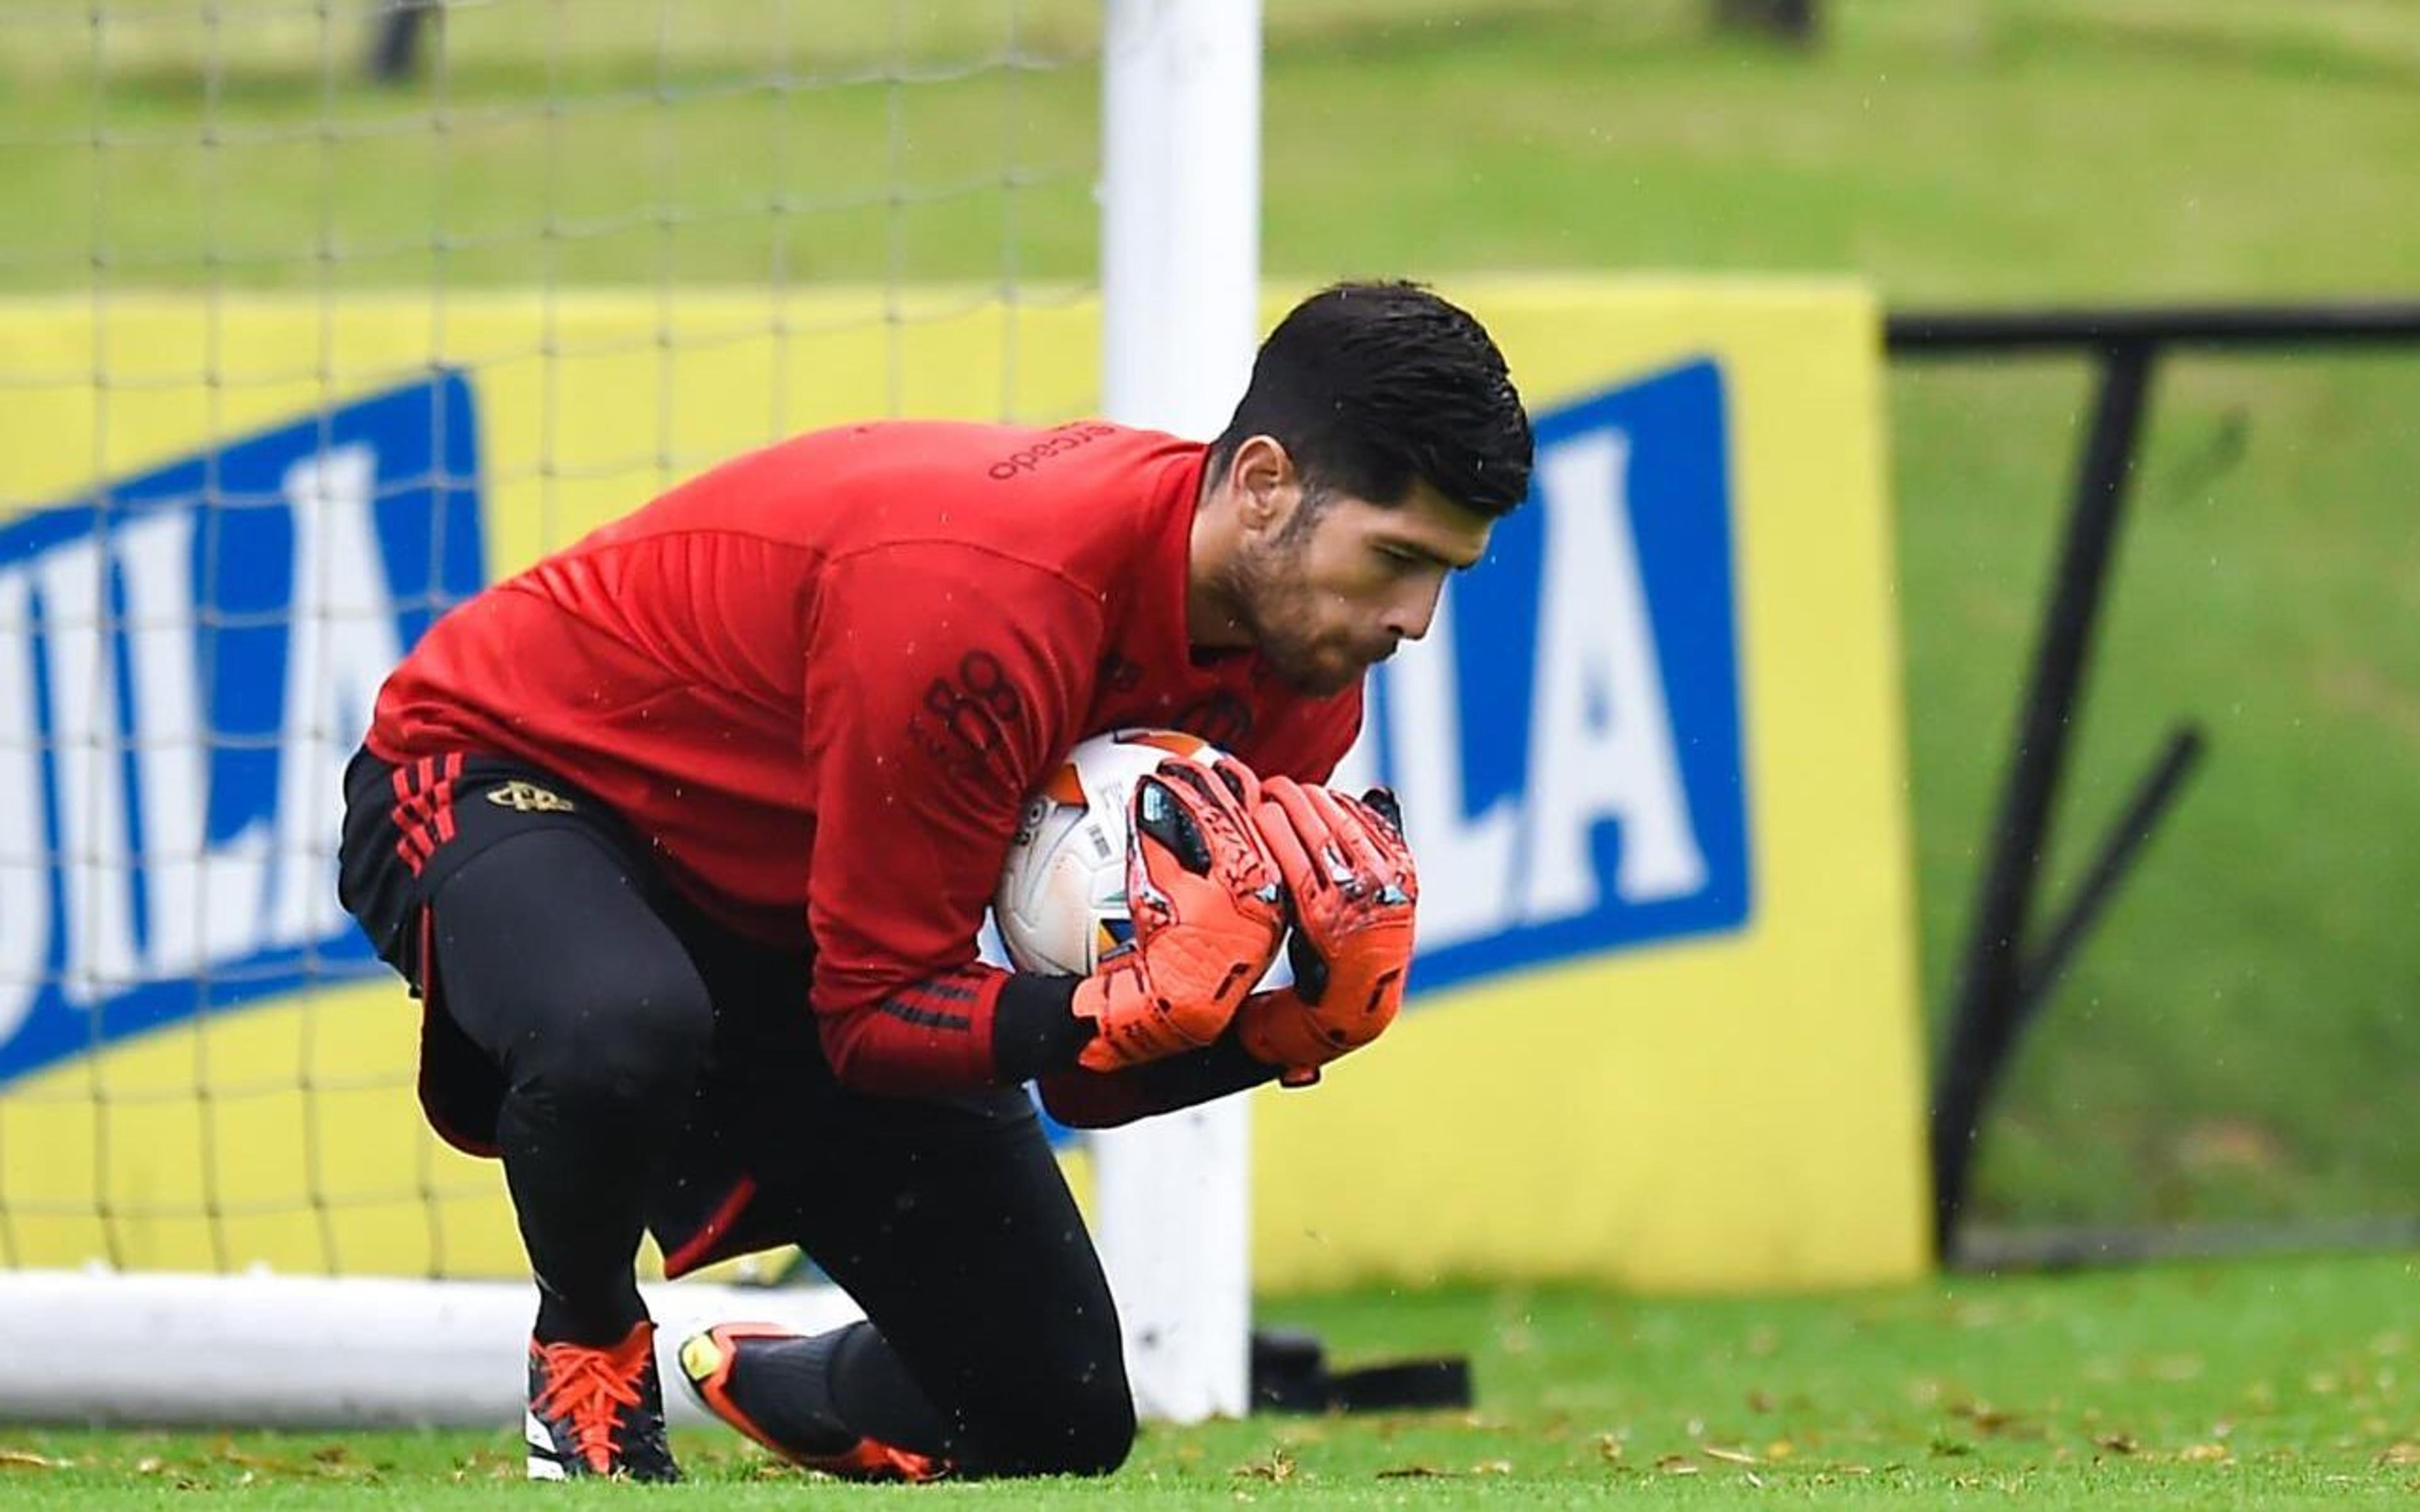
(1267, 486)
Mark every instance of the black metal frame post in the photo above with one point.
(2002, 984)
(1993, 983)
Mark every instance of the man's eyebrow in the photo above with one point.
(1428, 553)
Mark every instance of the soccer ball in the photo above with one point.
(1062, 904)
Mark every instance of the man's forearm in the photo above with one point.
(1099, 1100)
(983, 1027)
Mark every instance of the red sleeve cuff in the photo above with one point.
(931, 1036)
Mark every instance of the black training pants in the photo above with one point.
(634, 1064)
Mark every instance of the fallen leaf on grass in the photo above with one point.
(1729, 1456)
(1986, 1417)
(1275, 1467)
(2205, 1453)
(28, 1460)
(1415, 1473)
(489, 1463)
(1609, 1447)
(2403, 1452)
(227, 1451)
(2118, 1443)
(1676, 1465)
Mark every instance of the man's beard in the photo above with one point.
(1259, 581)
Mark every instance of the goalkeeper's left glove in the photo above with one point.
(1353, 886)
(1207, 906)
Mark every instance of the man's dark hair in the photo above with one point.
(1371, 386)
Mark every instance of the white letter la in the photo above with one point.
(203, 900)
(1600, 732)
(341, 643)
(24, 867)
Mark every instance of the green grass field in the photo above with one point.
(2269, 1386)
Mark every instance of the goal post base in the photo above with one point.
(103, 1347)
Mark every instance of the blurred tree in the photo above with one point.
(1792, 21)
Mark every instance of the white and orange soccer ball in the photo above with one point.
(1062, 903)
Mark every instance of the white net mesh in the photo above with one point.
(292, 358)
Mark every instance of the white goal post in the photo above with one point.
(1180, 283)
(1179, 196)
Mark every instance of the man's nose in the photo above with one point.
(1409, 618)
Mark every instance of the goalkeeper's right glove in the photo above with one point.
(1208, 912)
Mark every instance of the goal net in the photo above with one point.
(316, 316)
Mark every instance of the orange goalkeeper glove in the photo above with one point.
(1208, 911)
(1354, 889)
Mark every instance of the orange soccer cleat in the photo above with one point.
(706, 1361)
(597, 1410)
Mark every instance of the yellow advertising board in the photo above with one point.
(1664, 1030)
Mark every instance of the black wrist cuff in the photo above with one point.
(1035, 1029)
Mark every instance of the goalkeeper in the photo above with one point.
(684, 835)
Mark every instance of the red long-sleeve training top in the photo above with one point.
(822, 678)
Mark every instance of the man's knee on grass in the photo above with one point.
(1082, 1427)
